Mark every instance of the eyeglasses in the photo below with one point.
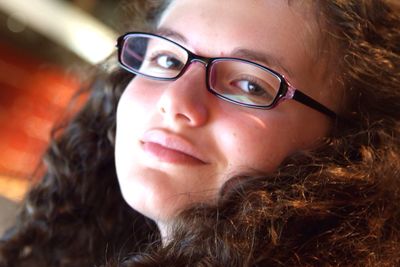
(235, 80)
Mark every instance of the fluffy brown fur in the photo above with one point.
(337, 205)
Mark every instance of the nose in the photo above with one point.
(183, 101)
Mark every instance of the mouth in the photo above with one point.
(171, 148)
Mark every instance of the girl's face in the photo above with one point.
(178, 144)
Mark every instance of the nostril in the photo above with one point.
(183, 117)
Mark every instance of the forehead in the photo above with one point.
(255, 17)
(215, 28)
(289, 31)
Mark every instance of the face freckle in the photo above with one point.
(177, 144)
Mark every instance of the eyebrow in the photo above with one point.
(243, 53)
(165, 32)
(261, 57)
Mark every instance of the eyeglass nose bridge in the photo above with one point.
(192, 58)
(195, 58)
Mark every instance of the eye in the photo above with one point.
(253, 88)
(249, 87)
(167, 61)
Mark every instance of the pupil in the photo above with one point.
(171, 62)
(251, 87)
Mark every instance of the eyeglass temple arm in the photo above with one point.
(308, 101)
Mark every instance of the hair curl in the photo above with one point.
(335, 205)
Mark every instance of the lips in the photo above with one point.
(171, 148)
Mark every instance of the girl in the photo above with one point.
(248, 133)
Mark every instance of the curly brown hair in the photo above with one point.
(337, 205)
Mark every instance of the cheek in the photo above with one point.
(252, 144)
(261, 143)
(135, 107)
(254, 150)
(138, 97)
(133, 116)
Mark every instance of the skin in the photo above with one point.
(225, 138)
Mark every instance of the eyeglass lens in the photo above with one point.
(236, 80)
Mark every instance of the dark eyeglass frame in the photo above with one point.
(286, 90)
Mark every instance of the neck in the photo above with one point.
(165, 231)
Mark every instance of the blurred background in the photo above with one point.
(45, 48)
